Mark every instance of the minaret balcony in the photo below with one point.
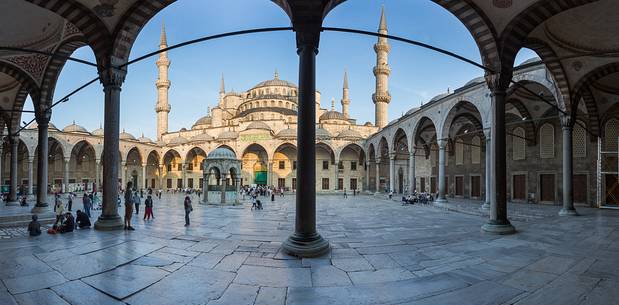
(382, 70)
(381, 98)
(162, 107)
(382, 47)
(163, 83)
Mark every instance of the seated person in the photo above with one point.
(34, 227)
(68, 225)
(82, 220)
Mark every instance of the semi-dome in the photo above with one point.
(177, 140)
(202, 137)
(349, 134)
(438, 97)
(98, 132)
(332, 115)
(144, 139)
(258, 125)
(476, 80)
(75, 128)
(322, 133)
(228, 135)
(221, 153)
(288, 133)
(126, 136)
(34, 125)
(412, 111)
(205, 120)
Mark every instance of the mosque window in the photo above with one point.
(579, 140)
(282, 165)
(272, 103)
(294, 165)
(179, 167)
(287, 105)
(475, 150)
(459, 152)
(325, 183)
(189, 166)
(519, 144)
(547, 141)
(325, 165)
(611, 133)
(353, 165)
(340, 165)
(280, 104)
(169, 167)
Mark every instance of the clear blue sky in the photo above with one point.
(417, 74)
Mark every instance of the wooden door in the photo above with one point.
(579, 185)
(422, 184)
(459, 186)
(547, 187)
(612, 189)
(476, 186)
(519, 187)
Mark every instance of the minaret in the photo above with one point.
(163, 85)
(381, 97)
(222, 90)
(345, 99)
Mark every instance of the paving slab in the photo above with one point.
(40, 297)
(232, 262)
(274, 277)
(238, 295)
(33, 282)
(271, 296)
(380, 276)
(483, 293)
(329, 276)
(352, 264)
(125, 280)
(78, 293)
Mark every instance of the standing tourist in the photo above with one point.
(58, 209)
(128, 206)
(87, 204)
(136, 201)
(148, 207)
(70, 201)
(188, 209)
(345, 194)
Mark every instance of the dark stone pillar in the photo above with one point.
(498, 224)
(442, 146)
(486, 204)
(112, 80)
(305, 241)
(568, 193)
(42, 160)
(14, 140)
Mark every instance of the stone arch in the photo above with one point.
(229, 148)
(255, 164)
(398, 136)
(326, 147)
(478, 25)
(553, 64)
(383, 148)
(593, 76)
(27, 81)
(593, 116)
(424, 134)
(194, 158)
(134, 149)
(356, 148)
(462, 111)
(371, 153)
(533, 79)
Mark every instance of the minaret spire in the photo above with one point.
(222, 86)
(381, 96)
(345, 98)
(163, 85)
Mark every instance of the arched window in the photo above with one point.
(287, 105)
(459, 152)
(272, 103)
(519, 144)
(579, 140)
(475, 150)
(547, 141)
(280, 104)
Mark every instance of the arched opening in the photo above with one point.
(426, 156)
(172, 170)
(193, 164)
(353, 171)
(255, 165)
(82, 167)
(285, 166)
(325, 167)
(133, 169)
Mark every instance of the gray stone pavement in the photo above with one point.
(382, 253)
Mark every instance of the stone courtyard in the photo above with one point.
(382, 253)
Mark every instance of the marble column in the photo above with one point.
(392, 172)
(305, 241)
(123, 174)
(67, 162)
(336, 175)
(270, 172)
(498, 223)
(112, 80)
(442, 145)
(205, 177)
(486, 204)
(30, 176)
(237, 188)
(568, 192)
(224, 183)
(1, 160)
(367, 176)
(144, 180)
(377, 182)
(14, 140)
(97, 173)
(161, 176)
(411, 171)
(42, 160)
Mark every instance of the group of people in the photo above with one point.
(65, 221)
(133, 199)
(422, 198)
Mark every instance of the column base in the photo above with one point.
(568, 212)
(485, 206)
(500, 228)
(109, 223)
(440, 202)
(301, 245)
(39, 207)
(12, 203)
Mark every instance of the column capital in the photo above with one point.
(392, 155)
(67, 160)
(412, 153)
(42, 116)
(308, 34)
(498, 82)
(442, 143)
(30, 159)
(567, 122)
(487, 133)
(112, 77)
(123, 163)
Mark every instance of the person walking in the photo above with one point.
(188, 209)
(345, 194)
(128, 206)
(87, 202)
(390, 194)
(136, 201)
(148, 208)
(70, 201)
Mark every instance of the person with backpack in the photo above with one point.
(188, 209)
